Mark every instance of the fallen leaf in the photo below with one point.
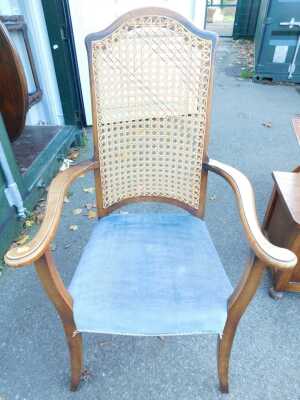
(92, 214)
(73, 227)
(77, 211)
(88, 206)
(89, 190)
(39, 217)
(53, 246)
(74, 153)
(267, 124)
(22, 240)
(66, 164)
(66, 199)
(67, 245)
(29, 223)
(86, 375)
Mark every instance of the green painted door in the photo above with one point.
(246, 19)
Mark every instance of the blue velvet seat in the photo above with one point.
(150, 274)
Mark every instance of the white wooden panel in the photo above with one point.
(97, 15)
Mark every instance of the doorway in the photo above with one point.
(220, 16)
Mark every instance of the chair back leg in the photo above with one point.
(237, 305)
(61, 299)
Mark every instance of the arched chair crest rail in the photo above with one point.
(150, 274)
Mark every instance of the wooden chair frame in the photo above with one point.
(38, 249)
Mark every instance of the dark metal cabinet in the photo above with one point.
(277, 41)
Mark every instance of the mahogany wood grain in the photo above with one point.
(62, 301)
(13, 86)
(272, 255)
(288, 187)
(237, 304)
(282, 226)
(265, 253)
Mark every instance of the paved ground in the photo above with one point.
(265, 359)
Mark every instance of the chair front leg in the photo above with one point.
(237, 304)
(58, 294)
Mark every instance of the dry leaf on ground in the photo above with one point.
(74, 153)
(22, 240)
(66, 199)
(77, 211)
(66, 164)
(29, 223)
(86, 375)
(267, 124)
(73, 227)
(92, 214)
(89, 190)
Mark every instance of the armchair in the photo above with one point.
(151, 274)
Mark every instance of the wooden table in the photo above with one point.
(282, 223)
(282, 226)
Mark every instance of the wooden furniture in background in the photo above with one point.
(15, 100)
(13, 87)
(282, 226)
(17, 24)
(28, 142)
(151, 83)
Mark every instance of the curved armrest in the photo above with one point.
(272, 255)
(33, 250)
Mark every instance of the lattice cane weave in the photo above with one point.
(151, 81)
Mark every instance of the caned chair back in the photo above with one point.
(150, 76)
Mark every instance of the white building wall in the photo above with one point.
(48, 111)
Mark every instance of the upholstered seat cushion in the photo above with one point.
(150, 274)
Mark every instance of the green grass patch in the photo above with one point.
(247, 74)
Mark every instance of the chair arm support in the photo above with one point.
(268, 253)
(33, 250)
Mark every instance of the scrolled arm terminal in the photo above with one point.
(33, 250)
(270, 254)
